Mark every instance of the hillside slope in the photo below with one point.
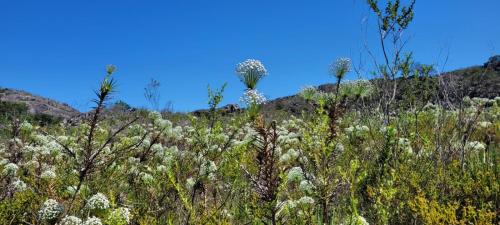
(38, 104)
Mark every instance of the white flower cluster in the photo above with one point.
(10, 169)
(289, 156)
(251, 66)
(92, 221)
(357, 129)
(209, 169)
(357, 88)
(253, 97)
(19, 185)
(48, 174)
(70, 220)
(356, 220)
(306, 186)
(295, 174)
(405, 144)
(475, 146)
(120, 216)
(50, 210)
(98, 202)
(340, 67)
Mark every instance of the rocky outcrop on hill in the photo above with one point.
(37, 104)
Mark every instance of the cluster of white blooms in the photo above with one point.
(146, 178)
(70, 220)
(10, 169)
(340, 67)
(253, 97)
(119, 216)
(209, 169)
(295, 174)
(355, 220)
(190, 182)
(48, 174)
(475, 146)
(50, 210)
(357, 88)
(19, 185)
(292, 154)
(251, 66)
(92, 221)
(306, 200)
(98, 201)
(405, 144)
(306, 186)
(485, 124)
(357, 129)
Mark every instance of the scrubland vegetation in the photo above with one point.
(361, 157)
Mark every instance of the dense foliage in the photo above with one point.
(340, 165)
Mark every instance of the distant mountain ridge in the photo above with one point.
(37, 104)
(474, 81)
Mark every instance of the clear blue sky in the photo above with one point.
(59, 49)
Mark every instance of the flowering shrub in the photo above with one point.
(337, 164)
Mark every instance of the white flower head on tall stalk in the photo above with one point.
(250, 72)
(340, 67)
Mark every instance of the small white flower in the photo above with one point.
(50, 210)
(306, 186)
(48, 175)
(253, 97)
(98, 201)
(120, 216)
(70, 220)
(306, 200)
(10, 169)
(190, 182)
(475, 145)
(295, 174)
(19, 185)
(92, 221)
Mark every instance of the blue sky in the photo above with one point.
(59, 49)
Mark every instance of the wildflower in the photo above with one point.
(285, 158)
(50, 210)
(405, 144)
(98, 201)
(250, 72)
(308, 93)
(146, 178)
(356, 220)
(48, 175)
(92, 221)
(340, 67)
(295, 174)
(475, 145)
(119, 216)
(306, 200)
(253, 97)
(485, 124)
(70, 220)
(19, 185)
(190, 182)
(306, 186)
(10, 169)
